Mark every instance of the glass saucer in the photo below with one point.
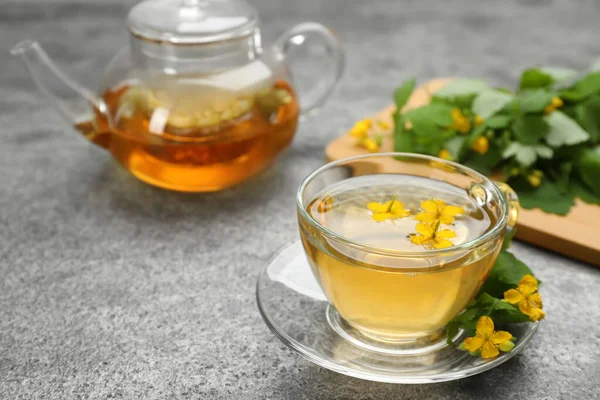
(296, 310)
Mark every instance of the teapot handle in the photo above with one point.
(306, 34)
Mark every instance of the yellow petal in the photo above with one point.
(536, 299)
(418, 239)
(370, 145)
(513, 296)
(380, 217)
(527, 285)
(474, 343)
(430, 206)
(377, 207)
(537, 314)
(424, 229)
(526, 307)
(364, 124)
(401, 213)
(358, 133)
(442, 243)
(488, 350)
(500, 337)
(426, 217)
(456, 114)
(445, 154)
(397, 206)
(446, 234)
(446, 220)
(452, 211)
(485, 326)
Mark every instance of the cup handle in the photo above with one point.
(513, 204)
(304, 35)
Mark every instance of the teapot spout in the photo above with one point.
(75, 102)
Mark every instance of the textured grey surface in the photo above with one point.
(110, 288)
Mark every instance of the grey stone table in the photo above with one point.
(110, 288)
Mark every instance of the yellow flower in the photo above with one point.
(369, 144)
(478, 120)
(383, 125)
(461, 123)
(534, 180)
(556, 103)
(361, 129)
(392, 209)
(528, 298)
(445, 154)
(437, 210)
(481, 145)
(430, 236)
(487, 340)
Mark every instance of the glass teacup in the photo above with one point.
(375, 231)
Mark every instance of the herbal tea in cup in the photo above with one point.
(399, 243)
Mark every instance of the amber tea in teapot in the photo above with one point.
(195, 149)
(194, 103)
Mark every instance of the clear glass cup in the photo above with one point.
(400, 301)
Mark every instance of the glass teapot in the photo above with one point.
(193, 104)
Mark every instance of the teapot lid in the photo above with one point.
(192, 21)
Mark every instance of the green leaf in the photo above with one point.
(589, 169)
(451, 331)
(489, 102)
(530, 128)
(430, 115)
(570, 96)
(559, 75)
(455, 145)
(581, 191)
(588, 85)
(403, 142)
(474, 134)
(562, 176)
(459, 101)
(535, 100)
(563, 130)
(462, 87)
(505, 274)
(498, 121)
(466, 320)
(508, 238)
(402, 94)
(588, 116)
(485, 163)
(546, 197)
(535, 78)
(525, 155)
(544, 151)
(500, 311)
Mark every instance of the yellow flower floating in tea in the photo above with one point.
(437, 210)
(392, 209)
(528, 298)
(431, 236)
(487, 341)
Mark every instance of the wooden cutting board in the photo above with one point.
(576, 235)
